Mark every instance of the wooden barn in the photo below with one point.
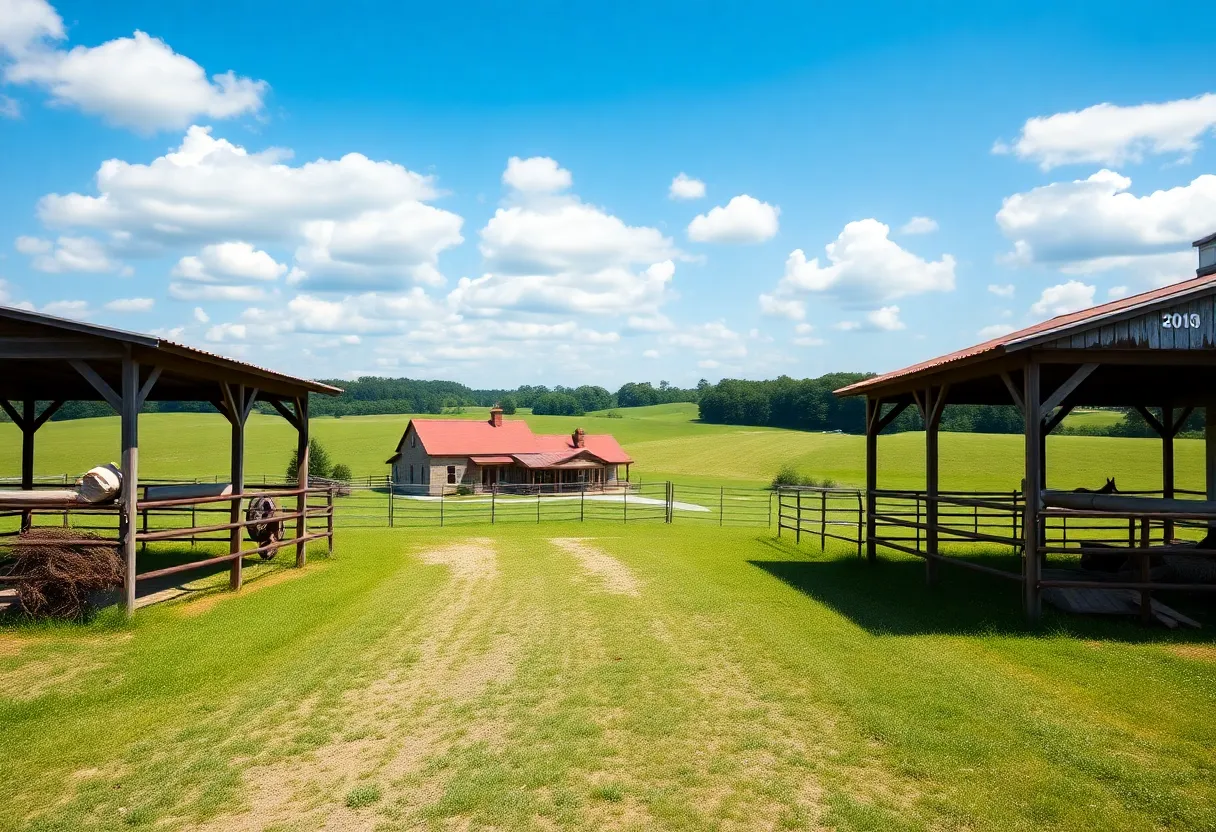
(1154, 352)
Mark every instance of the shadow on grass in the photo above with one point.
(891, 597)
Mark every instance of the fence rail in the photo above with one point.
(826, 513)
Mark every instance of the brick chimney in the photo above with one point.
(496, 416)
(580, 438)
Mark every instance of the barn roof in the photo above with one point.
(1054, 328)
(36, 348)
(469, 437)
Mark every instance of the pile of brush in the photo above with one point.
(57, 581)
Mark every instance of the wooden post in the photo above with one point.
(823, 519)
(722, 505)
(1146, 596)
(235, 396)
(329, 520)
(798, 521)
(27, 456)
(130, 474)
(1032, 402)
(1167, 466)
(1209, 450)
(934, 401)
(301, 478)
(873, 411)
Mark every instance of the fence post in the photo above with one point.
(916, 499)
(391, 501)
(538, 506)
(671, 501)
(860, 523)
(582, 502)
(329, 518)
(798, 521)
(722, 505)
(625, 504)
(823, 519)
(770, 513)
(441, 490)
(493, 502)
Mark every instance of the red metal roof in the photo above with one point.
(1058, 325)
(476, 438)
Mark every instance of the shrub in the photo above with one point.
(508, 405)
(613, 414)
(363, 795)
(340, 472)
(788, 476)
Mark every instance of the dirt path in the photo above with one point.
(610, 573)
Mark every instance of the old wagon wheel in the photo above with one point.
(265, 526)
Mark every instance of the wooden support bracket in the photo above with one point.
(148, 384)
(1013, 390)
(99, 384)
(1152, 420)
(1066, 389)
(285, 413)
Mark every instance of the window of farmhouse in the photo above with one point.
(452, 474)
(411, 475)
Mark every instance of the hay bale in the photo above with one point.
(57, 581)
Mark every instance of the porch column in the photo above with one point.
(130, 475)
(1167, 465)
(301, 476)
(1031, 492)
(934, 401)
(873, 411)
(1209, 450)
(234, 396)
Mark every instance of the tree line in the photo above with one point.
(785, 402)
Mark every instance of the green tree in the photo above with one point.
(341, 472)
(319, 464)
(508, 405)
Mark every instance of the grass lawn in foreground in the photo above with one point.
(642, 677)
(665, 441)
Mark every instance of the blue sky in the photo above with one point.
(332, 191)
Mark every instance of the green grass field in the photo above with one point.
(666, 441)
(651, 677)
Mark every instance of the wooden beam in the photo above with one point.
(147, 387)
(1209, 451)
(285, 413)
(232, 409)
(1032, 599)
(934, 401)
(1065, 390)
(19, 347)
(1054, 420)
(1181, 420)
(13, 413)
(129, 411)
(872, 405)
(896, 409)
(99, 384)
(250, 398)
(301, 404)
(237, 534)
(1167, 466)
(1013, 391)
(1151, 419)
(920, 405)
(47, 413)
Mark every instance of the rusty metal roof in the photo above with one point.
(1056, 327)
(154, 342)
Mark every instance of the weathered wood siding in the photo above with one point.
(1148, 331)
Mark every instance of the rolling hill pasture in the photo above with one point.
(603, 675)
(610, 677)
(666, 441)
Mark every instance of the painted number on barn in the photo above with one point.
(1180, 320)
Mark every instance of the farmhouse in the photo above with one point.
(437, 456)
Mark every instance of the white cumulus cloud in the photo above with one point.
(744, 219)
(68, 254)
(1002, 290)
(994, 331)
(919, 225)
(1110, 134)
(864, 266)
(684, 186)
(1064, 298)
(539, 174)
(885, 319)
(225, 271)
(137, 82)
(130, 305)
(1090, 221)
(783, 307)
